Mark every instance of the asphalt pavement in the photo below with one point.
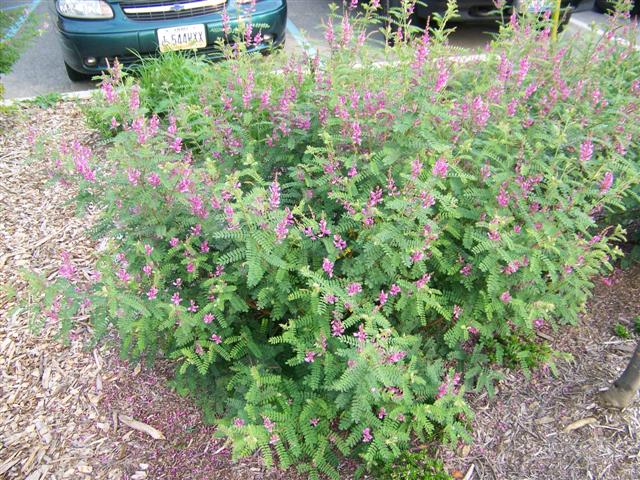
(40, 70)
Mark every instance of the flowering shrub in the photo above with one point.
(334, 253)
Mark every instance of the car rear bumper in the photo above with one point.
(473, 10)
(131, 40)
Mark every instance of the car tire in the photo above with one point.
(74, 75)
(606, 5)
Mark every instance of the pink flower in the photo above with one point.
(586, 150)
(417, 256)
(395, 290)
(123, 275)
(176, 145)
(216, 338)
(366, 435)
(361, 334)
(310, 356)
(274, 195)
(193, 307)
(204, 247)
(505, 297)
(457, 311)
(354, 289)
(134, 100)
(517, 229)
(503, 198)
(440, 168)
(268, 424)
(238, 422)
(396, 357)
(331, 299)
(606, 182)
(314, 422)
(324, 231)
(174, 242)
(383, 297)
(175, 299)
(327, 266)
(208, 318)
(133, 175)
(382, 413)
(148, 269)
(339, 243)
(420, 283)
(466, 270)
(337, 328)
(153, 179)
(152, 293)
(191, 267)
(493, 235)
(67, 269)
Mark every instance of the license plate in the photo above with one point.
(187, 37)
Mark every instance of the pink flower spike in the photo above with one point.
(395, 290)
(606, 182)
(216, 338)
(361, 334)
(175, 299)
(506, 297)
(354, 289)
(366, 435)
(586, 150)
(208, 318)
(176, 145)
(383, 297)
(152, 293)
(440, 168)
(327, 266)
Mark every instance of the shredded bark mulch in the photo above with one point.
(67, 411)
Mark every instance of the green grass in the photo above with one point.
(621, 331)
(12, 48)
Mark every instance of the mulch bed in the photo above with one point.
(61, 406)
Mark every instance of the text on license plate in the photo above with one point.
(182, 38)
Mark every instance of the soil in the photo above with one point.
(64, 408)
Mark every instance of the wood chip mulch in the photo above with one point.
(71, 412)
(552, 428)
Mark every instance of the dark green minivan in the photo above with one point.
(95, 32)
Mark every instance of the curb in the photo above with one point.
(79, 95)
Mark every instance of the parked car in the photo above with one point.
(476, 11)
(95, 32)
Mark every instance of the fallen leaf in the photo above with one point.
(457, 474)
(141, 427)
(579, 424)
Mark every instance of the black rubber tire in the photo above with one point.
(74, 75)
(604, 6)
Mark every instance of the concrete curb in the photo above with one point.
(79, 95)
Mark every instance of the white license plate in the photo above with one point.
(187, 37)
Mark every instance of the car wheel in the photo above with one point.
(74, 75)
(608, 5)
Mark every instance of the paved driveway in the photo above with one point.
(40, 69)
